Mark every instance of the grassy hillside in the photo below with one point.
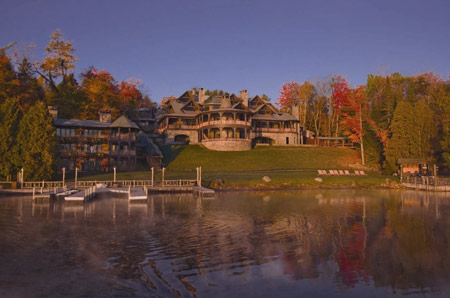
(179, 157)
(287, 167)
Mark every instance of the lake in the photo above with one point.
(332, 243)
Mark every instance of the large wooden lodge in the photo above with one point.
(226, 123)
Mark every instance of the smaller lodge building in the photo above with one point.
(102, 145)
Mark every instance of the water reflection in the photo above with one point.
(330, 243)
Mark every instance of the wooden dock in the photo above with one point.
(41, 193)
(203, 191)
(137, 193)
(82, 195)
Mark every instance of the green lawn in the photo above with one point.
(181, 157)
(288, 167)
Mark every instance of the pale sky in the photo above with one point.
(174, 45)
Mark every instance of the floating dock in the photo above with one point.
(137, 194)
(82, 195)
(203, 191)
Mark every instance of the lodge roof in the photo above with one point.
(177, 107)
(123, 121)
(80, 123)
(275, 117)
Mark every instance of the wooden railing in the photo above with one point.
(225, 122)
(123, 183)
(42, 184)
(179, 183)
(48, 185)
(426, 180)
(426, 183)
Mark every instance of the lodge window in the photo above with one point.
(65, 132)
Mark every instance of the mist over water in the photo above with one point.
(261, 244)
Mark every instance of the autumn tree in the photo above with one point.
(37, 143)
(9, 84)
(354, 111)
(59, 61)
(102, 92)
(131, 96)
(339, 94)
(289, 96)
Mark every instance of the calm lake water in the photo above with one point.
(242, 244)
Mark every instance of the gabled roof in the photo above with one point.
(81, 123)
(213, 100)
(236, 106)
(123, 121)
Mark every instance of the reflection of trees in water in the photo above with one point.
(399, 240)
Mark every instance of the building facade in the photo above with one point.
(226, 123)
(96, 145)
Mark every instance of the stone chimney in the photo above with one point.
(225, 102)
(201, 96)
(194, 92)
(295, 111)
(244, 96)
(53, 111)
(105, 116)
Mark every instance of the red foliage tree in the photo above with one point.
(289, 95)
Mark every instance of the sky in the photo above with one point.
(175, 45)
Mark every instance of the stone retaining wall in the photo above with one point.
(228, 145)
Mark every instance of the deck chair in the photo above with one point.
(341, 173)
(362, 173)
(356, 173)
(347, 173)
(330, 172)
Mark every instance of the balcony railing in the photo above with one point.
(265, 129)
(225, 122)
(123, 152)
(124, 137)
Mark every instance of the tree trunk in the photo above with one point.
(361, 135)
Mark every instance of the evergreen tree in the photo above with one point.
(445, 141)
(424, 130)
(9, 127)
(402, 128)
(37, 143)
(29, 88)
(68, 98)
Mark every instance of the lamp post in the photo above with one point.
(153, 173)
(114, 174)
(64, 175)
(76, 176)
